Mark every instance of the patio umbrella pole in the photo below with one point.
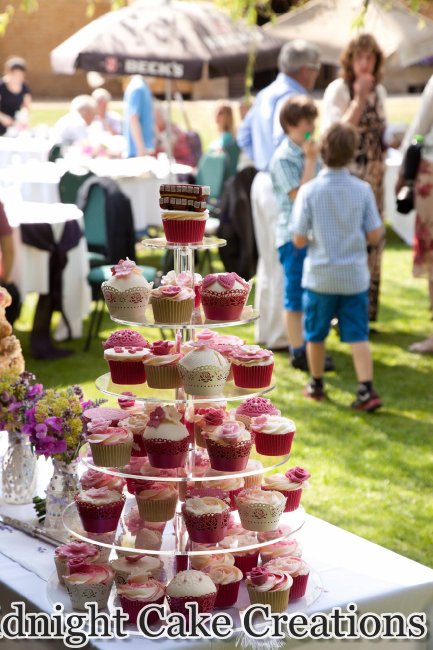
(168, 96)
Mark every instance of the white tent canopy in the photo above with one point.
(404, 36)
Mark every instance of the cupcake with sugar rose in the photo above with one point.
(127, 292)
(206, 421)
(185, 279)
(162, 365)
(88, 583)
(75, 550)
(166, 439)
(259, 510)
(139, 591)
(252, 366)
(223, 296)
(289, 484)
(172, 304)
(229, 446)
(297, 569)
(191, 586)
(269, 587)
(273, 434)
(111, 446)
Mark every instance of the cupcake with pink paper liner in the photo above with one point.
(172, 305)
(206, 514)
(229, 446)
(252, 366)
(206, 421)
(136, 593)
(298, 570)
(112, 415)
(128, 566)
(273, 434)
(89, 583)
(92, 478)
(283, 548)
(269, 587)
(204, 372)
(185, 279)
(260, 511)
(111, 446)
(99, 509)
(232, 485)
(253, 407)
(248, 558)
(227, 579)
(136, 424)
(289, 484)
(127, 292)
(75, 550)
(162, 365)
(223, 296)
(166, 439)
(255, 480)
(191, 587)
(157, 502)
(125, 338)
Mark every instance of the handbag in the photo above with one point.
(405, 199)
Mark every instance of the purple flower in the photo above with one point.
(35, 390)
(40, 430)
(5, 396)
(14, 406)
(55, 423)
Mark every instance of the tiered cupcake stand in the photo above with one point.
(174, 548)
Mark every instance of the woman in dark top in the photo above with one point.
(14, 92)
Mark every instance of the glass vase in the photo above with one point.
(19, 470)
(61, 489)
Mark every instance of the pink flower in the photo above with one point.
(213, 417)
(126, 402)
(156, 417)
(98, 425)
(124, 268)
(161, 348)
(171, 290)
(258, 575)
(297, 475)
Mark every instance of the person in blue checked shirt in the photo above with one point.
(335, 215)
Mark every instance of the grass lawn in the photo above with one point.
(372, 474)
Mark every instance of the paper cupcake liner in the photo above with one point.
(227, 595)
(224, 306)
(200, 440)
(228, 458)
(167, 454)
(134, 607)
(163, 376)
(293, 499)
(189, 231)
(158, 510)
(205, 603)
(269, 444)
(259, 517)
(232, 496)
(246, 562)
(111, 455)
(127, 372)
(253, 482)
(136, 485)
(172, 311)
(181, 563)
(278, 600)
(138, 448)
(62, 565)
(197, 296)
(299, 587)
(82, 594)
(206, 529)
(99, 519)
(127, 305)
(252, 376)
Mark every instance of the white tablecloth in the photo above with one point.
(18, 150)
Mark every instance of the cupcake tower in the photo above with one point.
(182, 469)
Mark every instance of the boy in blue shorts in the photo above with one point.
(335, 215)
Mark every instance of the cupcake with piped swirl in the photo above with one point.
(92, 478)
(139, 591)
(76, 550)
(136, 467)
(166, 439)
(191, 586)
(172, 305)
(297, 569)
(289, 484)
(259, 510)
(227, 578)
(232, 485)
(269, 587)
(206, 517)
(206, 420)
(247, 558)
(253, 480)
(136, 424)
(223, 296)
(157, 502)
(284, 548)
(99, 509)
(253, 407)
(127, 292)
(252, 366)
(273, 434)
(204, 562)
(111, 446)
(229, 446)
(185, 279)
(87, 583)
(162, 365)
(128, 566)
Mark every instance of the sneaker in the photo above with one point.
(300, 362)
(315, 392)
(368, 402)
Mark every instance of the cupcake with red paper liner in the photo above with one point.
(172, 305)
(252, 366)
(206, 421)
(138, 592)
(298, 570)
(191, 587)
(269, 587)
(162, 365)
(93, 478)
(99, 509)
(204, 372)
(157, 502)
(260, 510)
(112, 415)
(136, 424)
(87, 583)
(232, 485)
(246, 559)
(136, 466)
(227, 579)
(206, 517)
(200, 465)
(166, 440)
(289, 484)
(127, 292)
(253, 407)
(229, 446)
(185, 279)
(184, 212)
(125, 338)
(284, 548)
(128, 566)
(111, 446)
(254, 480)
(203, 562)
(273, 434)
(76, 550)
(223, 296)
(126, 364)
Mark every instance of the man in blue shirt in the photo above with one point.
(138, 119)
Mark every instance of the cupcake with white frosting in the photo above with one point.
(289, 484)
(139, 591)
(273, 434)
(247, 558)
(126, 364)
(166, 439)
(229, 446)
(191, 586)
(127, 292)
(128, 566)
(185, 279)
(232, 485)
(206, 517)
(204, 372)
(252, 366)
(99, 509)
(228, 579)
(89, 583)
(269, 587)
(223, 296)
(260, 510)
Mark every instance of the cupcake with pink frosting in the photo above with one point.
(204, 562)
(128, 566)
(99, 509)
(157, 502)
(126, 364)
(127, 292)
(227, 578)
(76, 550)
(284, 548)
(206, 420)
(232, 485)
(172, 305)
(247, 558)
(253, 407)
(211, 336)
(136, 467)
(166, 439)
(136, 424)
(252, 366)
(289, 484)
(138, 592)
(298, 570)
(111, 446)
(229, 446)
(185, 279)
(125, 338)
(259, 510)
(92, 478)
(269, 587)
(162, 365)
(89, 583)
(223, 296)
(273, 434)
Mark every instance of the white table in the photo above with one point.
(23, 148)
